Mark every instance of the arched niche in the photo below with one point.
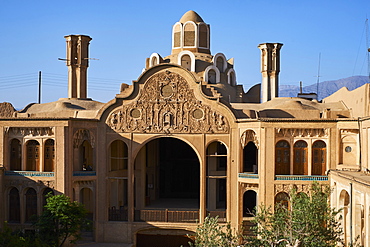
(177, 37)
(155, 59)
(348, 150)
(283, 199)
(250, 158)
(14, 206)
(31, 204)
(118, 155)
(219, 60)
(212, 74)
(231, 77)
(190, 34)
(249, 203)
(203, 36)
(183, 60)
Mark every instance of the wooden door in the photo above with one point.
(282, 158)
(300, 166)
(318, 158)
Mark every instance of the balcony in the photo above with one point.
(167, 215)
(248, 175)
(301, 177)
(116, 214)
(29, 174)
(84, 173)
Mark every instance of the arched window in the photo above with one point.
(318, 158)
(154, 61)
(31, 204)
(15, 155)
(118, 156)
(232, 78)
(250, 158)
(344, 203)
(45, 194)
(282, 158)
(177, 35)
(33, 156)
(216, 176)
(282, 198)
(186, 62)
(249, 203)
(203, 36)
(14, 206)
(87, 199)
(86, 157)
(49, 156)
(189, 34)
(220, 64)
(211, 76)
(300, 166)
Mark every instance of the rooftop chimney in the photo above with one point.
(270, 69)
(77, 63)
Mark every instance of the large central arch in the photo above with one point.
(167, 175)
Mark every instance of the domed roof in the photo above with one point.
(191, 16)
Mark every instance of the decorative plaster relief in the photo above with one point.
(84, 184)
(82, 135)
(246, 187)
(21, 184)
(287, 188)
(247, 136)
(290, 132)
(349, 131)
(29, 131)
(167, 105)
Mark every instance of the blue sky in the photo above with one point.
(125, 33)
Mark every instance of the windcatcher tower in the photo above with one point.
(270, 69)
(77, 63)
(191, 33)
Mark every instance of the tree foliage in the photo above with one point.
(62, 219)
(211, 234)
(307, 221)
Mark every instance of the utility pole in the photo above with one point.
(39, 87)
(318, 77)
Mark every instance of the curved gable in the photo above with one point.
(167, 104)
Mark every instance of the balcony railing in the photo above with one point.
(116, 214)
(221, 215)
(248, 175)
(167, 215)
(29, 173)
(84, 173)
(302, 177)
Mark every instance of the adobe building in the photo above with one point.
(182, 142)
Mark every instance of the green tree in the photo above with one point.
(211, 234)
(9, 238)
(62, 219)
(307, 221)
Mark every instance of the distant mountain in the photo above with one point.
(326, 88)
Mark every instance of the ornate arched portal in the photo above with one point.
(167, 175)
